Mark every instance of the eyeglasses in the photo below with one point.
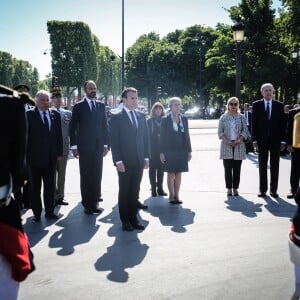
(233, 103)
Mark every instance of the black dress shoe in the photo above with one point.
(138, 226)
(95, 211)
(127, 227)
(141, 205)
(61, 202)
(274, 195)
(161, 193)
(100, 199)
(153, 194)
(261, 195)
(36, 219)
(52, 216)
(290, 196)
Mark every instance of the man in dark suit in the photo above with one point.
(130, 152)
(295, 151)
(44, 148)
(89, 141)
(268, 133)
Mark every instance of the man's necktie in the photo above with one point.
(133, 119)
(268, 111)
(93, 106)
(45, 119)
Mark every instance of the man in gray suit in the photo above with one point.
(60, 174)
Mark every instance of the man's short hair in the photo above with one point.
(127, 90)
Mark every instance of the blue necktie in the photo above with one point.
(268, 111)
(45, 119)
(133, 119)
(93, 106)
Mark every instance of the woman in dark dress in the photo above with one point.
(156, 173)
(176, 149)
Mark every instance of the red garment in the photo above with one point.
(14, 246)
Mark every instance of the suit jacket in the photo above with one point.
(12, 137)
(264, 129)
(129, 145)
(44, 146)
(65, 118)
(89, 130)
(249, 119)
(167, 140)
(290, 125)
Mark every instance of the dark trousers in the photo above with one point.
(129, 187)
(156, 175)
(263, 157)
(232, 173)
(46, 175)
(90, 165)
(295, 170)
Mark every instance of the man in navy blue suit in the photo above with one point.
(130, 153)
(44, 147)
(89, 141)
(268, 134)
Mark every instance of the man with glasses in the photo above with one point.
(268, 134)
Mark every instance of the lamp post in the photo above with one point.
(122, 57)
(238, 37)
(295, 56)
(200, 66)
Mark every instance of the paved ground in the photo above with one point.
(211, 247)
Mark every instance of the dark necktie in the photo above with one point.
(45, 119)
(133, 119)
(93, 106)
(268, 111)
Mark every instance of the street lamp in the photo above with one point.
(238, 37)
(200, 66)
(122, 57)
(295, 56)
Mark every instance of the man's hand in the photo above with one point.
(189, 156)
(290, 148)
(146, 164)
(162, 158)
(255, 146)
(105, 151)
(75, 153)
(120, 167)
(282, 146)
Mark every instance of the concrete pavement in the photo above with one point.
(211, 247)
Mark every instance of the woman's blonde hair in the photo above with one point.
(154, 106)
(231, 99)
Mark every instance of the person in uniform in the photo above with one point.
(16, 259)
(65, 117)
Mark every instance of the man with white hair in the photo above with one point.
(44, 148)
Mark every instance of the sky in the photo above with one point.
(23, 24)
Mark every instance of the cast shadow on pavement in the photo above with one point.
(173, 215)
(126, 251)
(244, 206)
(77, 228)
(36, 231)
(279, 207)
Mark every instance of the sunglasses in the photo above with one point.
(233, 103)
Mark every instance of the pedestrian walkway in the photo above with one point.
(211, 247)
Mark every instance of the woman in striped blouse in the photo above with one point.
(232, 131)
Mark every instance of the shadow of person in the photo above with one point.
(244, 206)
(126, 251)
(280, 208)
(173, 215)
(35, 230)
(77, 228)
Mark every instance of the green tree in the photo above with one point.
(74, 53)
(6, 68)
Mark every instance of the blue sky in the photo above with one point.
(24, 31)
